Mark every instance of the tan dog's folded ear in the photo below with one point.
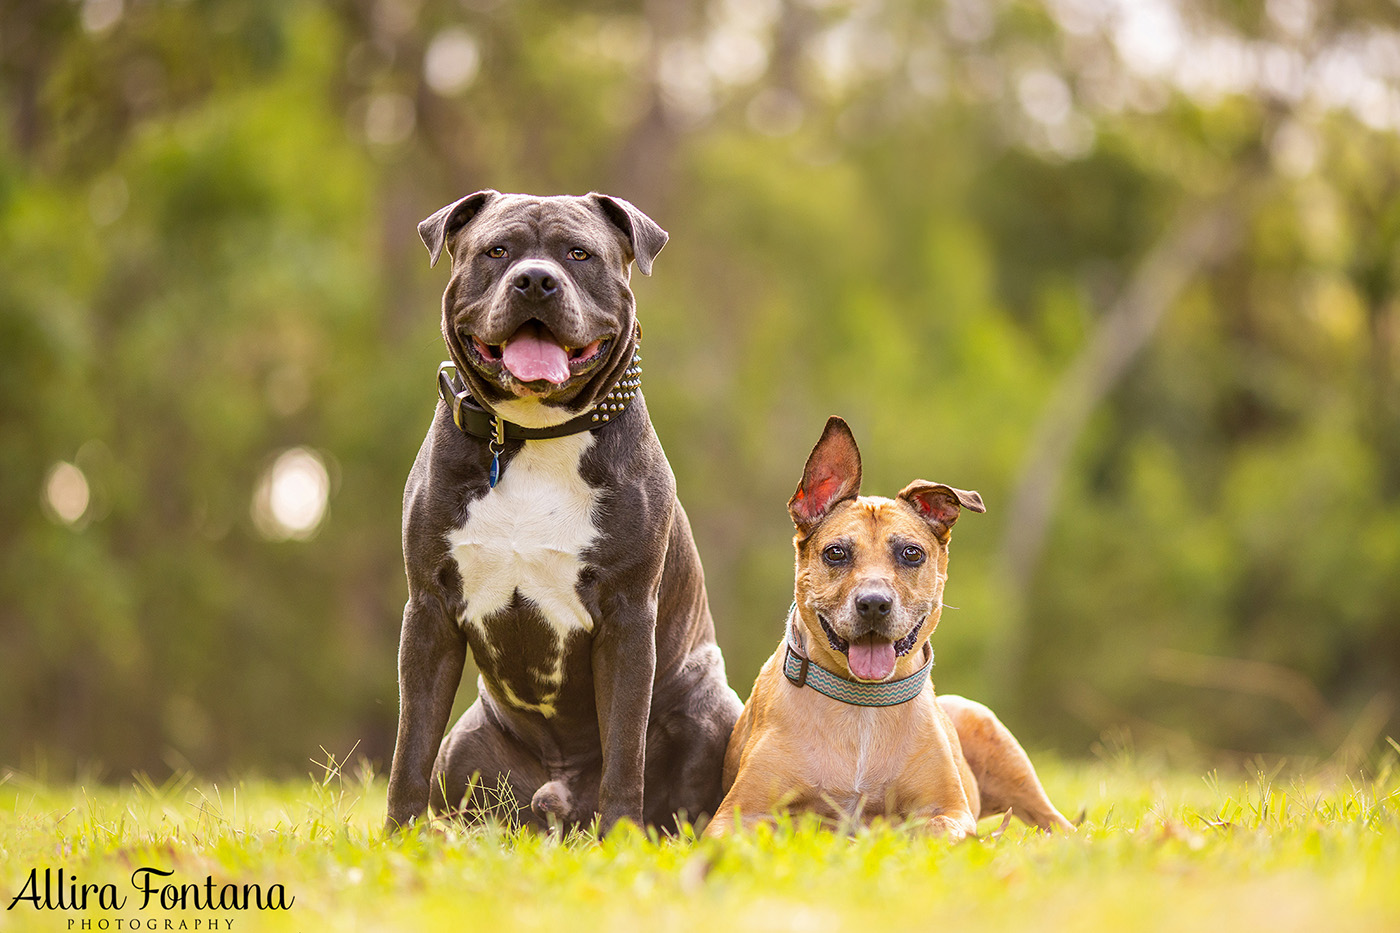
(832, 475)
(448, 220)
(940, 505)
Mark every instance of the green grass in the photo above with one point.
(1158, 850)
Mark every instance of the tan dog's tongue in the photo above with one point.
(532, 354)
(871, 659)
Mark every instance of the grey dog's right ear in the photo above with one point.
(447, 221)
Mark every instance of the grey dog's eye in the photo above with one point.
(834, 553)
(497, 252)
(579, 255)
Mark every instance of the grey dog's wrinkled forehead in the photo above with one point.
(544, 218)
(600, 220)
(533, 210)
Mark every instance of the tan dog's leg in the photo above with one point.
(754, 805)
(721, 824)
(955, 826)
(1004, 774)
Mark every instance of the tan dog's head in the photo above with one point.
(870, 570)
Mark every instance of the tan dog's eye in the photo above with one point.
(834, 554)
(496, 252)
(579, 255)
(912, 555)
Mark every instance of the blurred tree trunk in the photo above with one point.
(1201, 235)
(643, 169)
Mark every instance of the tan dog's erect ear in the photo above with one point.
(448, 220)
(940, 505)
(832, 475)
(644, 235)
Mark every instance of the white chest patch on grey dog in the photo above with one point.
(527, 536)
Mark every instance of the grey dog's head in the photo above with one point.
(538, 308)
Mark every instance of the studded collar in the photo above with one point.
(472, 419)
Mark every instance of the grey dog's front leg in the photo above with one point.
(624, 668)
(431, 656)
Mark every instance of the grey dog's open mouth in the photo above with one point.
(901, 647)
(491, 358)
(491, 352)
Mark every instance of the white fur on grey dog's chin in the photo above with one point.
(532, 412)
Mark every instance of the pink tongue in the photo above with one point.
(532, 355)
(870, 659)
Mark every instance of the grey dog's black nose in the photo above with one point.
(873, 607)
(535, 282)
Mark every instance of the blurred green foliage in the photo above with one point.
(927, 217)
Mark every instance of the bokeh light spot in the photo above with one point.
(292, 496)
(66, 493)
(452, 61)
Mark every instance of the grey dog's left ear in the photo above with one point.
(643, 234)
(940, 505)
(448, 220)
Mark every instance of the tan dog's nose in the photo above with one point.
(872, 607)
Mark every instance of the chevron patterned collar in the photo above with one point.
(801, 671)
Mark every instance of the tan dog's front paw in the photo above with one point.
(953, 827)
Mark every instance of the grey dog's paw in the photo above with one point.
(553, 800)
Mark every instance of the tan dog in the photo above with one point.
(843, 720)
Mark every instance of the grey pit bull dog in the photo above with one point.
(541, 529)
